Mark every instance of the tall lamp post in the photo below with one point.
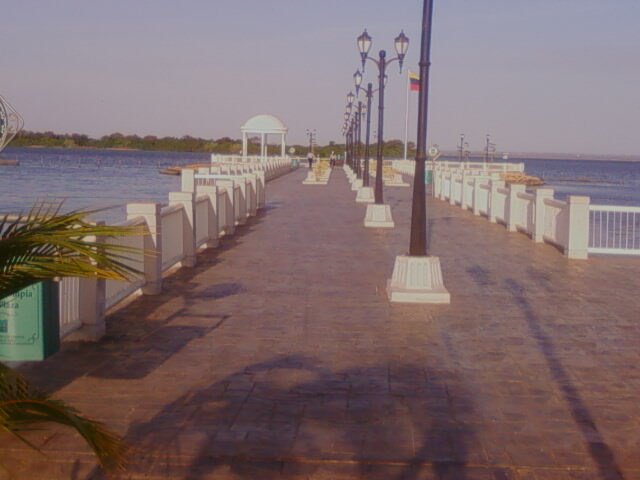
(417, 278)
(378, 214)
(312, 135)
(365, 194)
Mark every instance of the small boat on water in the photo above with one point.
(9, 163)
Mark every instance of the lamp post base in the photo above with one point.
(396, 181)
(378, 216)
(365, 195)
(417, 280)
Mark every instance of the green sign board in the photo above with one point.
(29, 323)
(428, 177)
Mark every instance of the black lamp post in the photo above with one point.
(401, 44)
(358, 135)
(418, 242)
(311, 134)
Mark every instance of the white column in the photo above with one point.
(283, 150)
(493, 194)
(187, 180)
(538, 222)
(211, 191)
(578, 228)
(244, 145)
(187, 200)
(476, 196)
(92, 302)
(230, 207)
(464, 201)
(152, 261)
(513, 206)
(262, 140)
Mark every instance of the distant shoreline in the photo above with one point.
(449, 155)
(514, 157)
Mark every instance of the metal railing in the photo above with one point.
(614, 230)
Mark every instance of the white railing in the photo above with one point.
(172, 218)
(483, 199)
(524, 215)
(205, 210)
(223, 215)
(499, 205)
(555, 225)
(116, 291)
(614, 230)
(537, 213)
(69, 306)
(202, 216)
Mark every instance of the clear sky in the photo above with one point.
(544, 75)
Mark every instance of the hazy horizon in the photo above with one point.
(550, 76)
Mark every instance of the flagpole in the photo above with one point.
(406, 120)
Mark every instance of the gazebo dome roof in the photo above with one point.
(264, 124)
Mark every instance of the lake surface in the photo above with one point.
(108, 178)
(606, 182)
(89, 178)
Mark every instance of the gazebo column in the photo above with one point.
(262, 139)
(244, 145)
(284, 145)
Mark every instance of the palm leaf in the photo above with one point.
(45, 244)
(22, 406)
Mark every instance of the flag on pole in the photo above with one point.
(414, 82)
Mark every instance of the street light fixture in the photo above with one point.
(378, 214)
(417, 277)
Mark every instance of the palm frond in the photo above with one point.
(45, 243)
(22, 406)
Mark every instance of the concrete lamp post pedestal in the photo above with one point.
(396, 181)
(365, 195)
(356, 184)
(417, 280)
(378, 216)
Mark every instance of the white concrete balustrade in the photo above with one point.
(210, 206)
(478, 188)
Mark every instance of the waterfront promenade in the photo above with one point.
(279, 356)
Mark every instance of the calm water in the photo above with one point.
(100, 178)
(89, 178)
(607, 183)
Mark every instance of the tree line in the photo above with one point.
(187, 143)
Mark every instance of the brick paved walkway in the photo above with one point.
(279, 356)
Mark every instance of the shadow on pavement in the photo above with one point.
(292, 416)
(597, 447)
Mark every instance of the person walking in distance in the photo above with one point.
(332, 159)
(310, 159)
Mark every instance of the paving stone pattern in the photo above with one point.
(279, 356)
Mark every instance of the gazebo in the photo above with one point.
(265, 125)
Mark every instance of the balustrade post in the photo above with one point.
(452, 194)
(463, 191)
(188, 202)
(538, 222)
(213, 235)
(230, 207)
(252, 194)
(152, 258)
(476, 195)
(187, 180)
(493, 196)
(513, 209)
(260, 189)
(578, 227)
(92, 293)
